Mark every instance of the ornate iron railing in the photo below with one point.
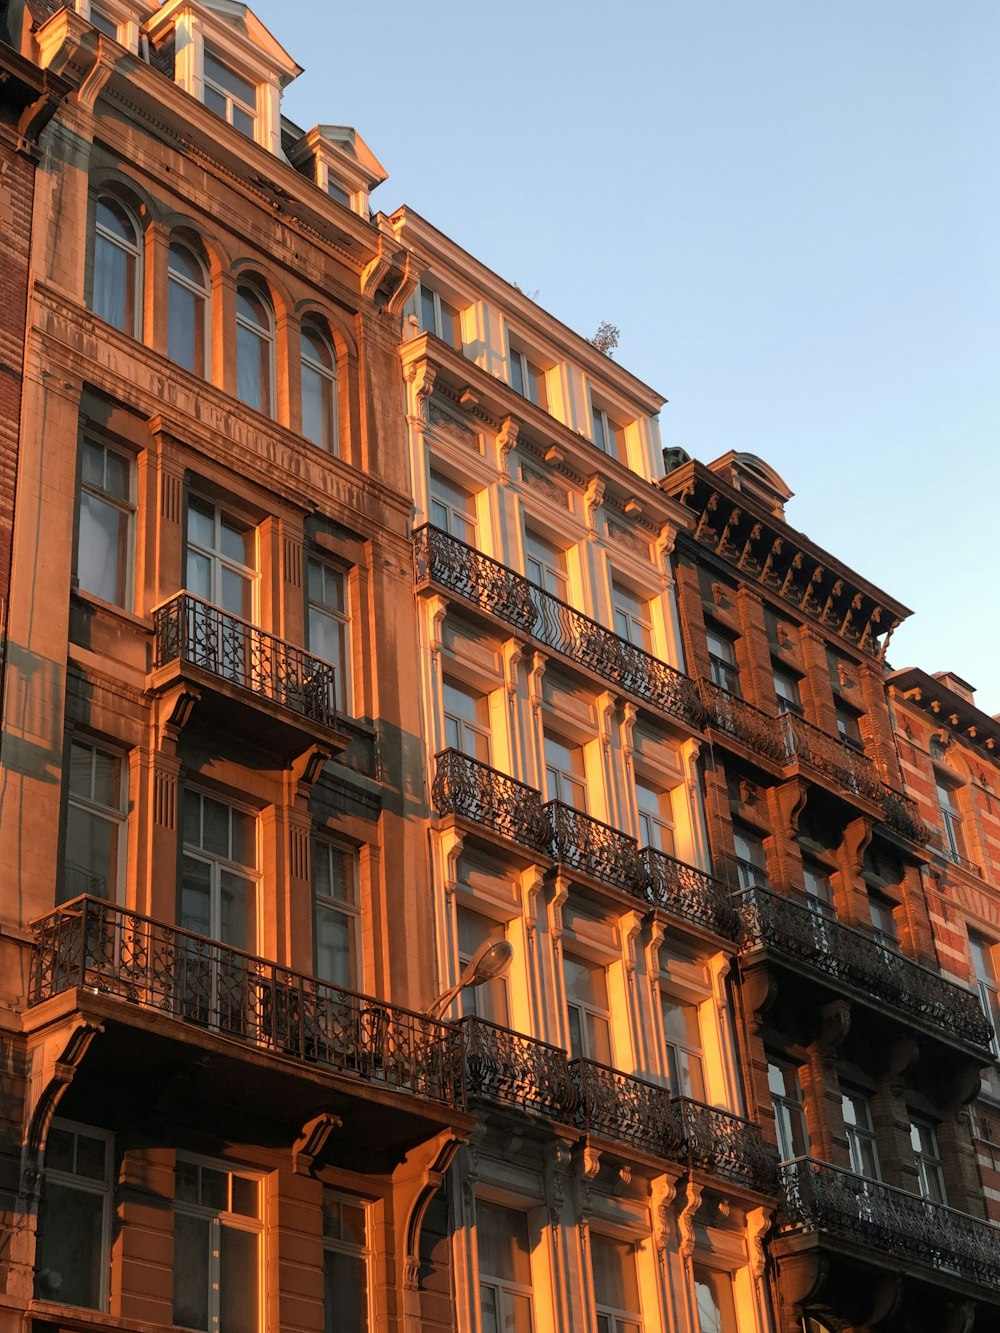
(935, 839)
(757, 730)
(513, 1070)
(900, 813)
(877, 972)
(830, 755)
(443, 559)
(187, 629)
(78, 880)
(726, 1145)
(687, 892)
(472, 790)
(817, 1196)
(627, 1109)
(595, 849)
(94, 944)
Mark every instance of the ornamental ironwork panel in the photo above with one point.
(817, 1196)
(684, 891)
(443, 559)
(900, 813)
(628, 1109)
(726, 1145)
(595, 849)
(203, 982)
(757, 730)
(830, 755)
(775, 922)
(187, 629)
(472, 790)
(514, 1070)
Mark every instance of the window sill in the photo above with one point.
(112, 611)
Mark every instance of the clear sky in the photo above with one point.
(791, 209)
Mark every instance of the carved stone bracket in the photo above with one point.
(588, 1166)
(758, 1224)
(663, 1191)
(685, 1220)
(311, 1143)
(54, 1060)
(506, 444)
(593, 499)
(173, 712)
(307, 768)
(419, 1177)
(557, 1161)
(421, 376)
(834, 1025)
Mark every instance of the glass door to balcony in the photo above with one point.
(220, 571)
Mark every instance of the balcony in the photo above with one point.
(846, 766)
(858, 964)
(819, 1197)
(948, 852)
(551, 623)
(467, 789)
(726, 1145)
(684, 891)
(741, 721)
(198, 641)
(508, 1069)
(108, 951)
(627, 1109)
(595, 849)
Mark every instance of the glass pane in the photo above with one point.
(427, 321)
(186, 1176)
(353, 1223)
(488, 1309)
(92, 464)
(60, 1150)
(335, 947)
(326, 636)
(315, 414)
(246, 1197)
(215, 101)
(345, 1293)
(504, 1249)
(244, 831)
(243, 121)
(192, 1244)
(91, 848)
(238, 1281)
(575, 1016)
(185, 327)
(518, 1313)
(229, 80)
(614, 1272)
(116, 475)
(516, 372)
(111, 217)
(250, 363)
(714, 1300)
(113, 284)
(236, 591)
(680, 1022)
(449, 323)
(102, 549)
(91, 1157)
(215, 827)
(315, 348)
(196, 896)
(214, 1188)
(201, 523)
(599, 1039)
(70, 1261)
(237, 911)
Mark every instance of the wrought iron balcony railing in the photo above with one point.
(899, 812)
(935, 839)
(627, 1109)
(836, 758)
(78, 880)
(819, 1197)
(757, 730)
(513, 1070)
(93, 944)
(687, 892)
(472, 790)
(849, 956)
(595, 849)
(186, 629)
(444, 560)
(726, 1145)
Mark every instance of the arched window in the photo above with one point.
(319, 388)
(254, 349)
(187, 309)
(117, 258)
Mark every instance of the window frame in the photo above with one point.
(683, 1054)
(132, 301)
(104, 1189)
(127, 508)
(472, 999)
(349, 910)
(588, 1011)
(343, 675)
(928, 1161)
(117, 816)
(218, 560)
(455, 736)
(329, 388)
(605, 432)
(627, 607)
(438, 486)
(537, 552)
(952, 817)
(724, 666)
(220, 864)
(747, 864)
(789, 1109)
(562, 782)
(337, 1245)
(441, 310)
(504, 1287)
(228, 97)
(858, 1135)
(790, 702)
(984, 969)
(202, 295)
(613, 1318)
(267, 340)
(655, 828)
(729, 1322)
(526, 377)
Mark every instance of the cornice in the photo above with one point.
(947, 709)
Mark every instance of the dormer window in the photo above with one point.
(605, 432)
(103, 22)
(337, 192)
(230, 96)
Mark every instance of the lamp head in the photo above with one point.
(491, 960)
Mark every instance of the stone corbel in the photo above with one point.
(631, 928)
(376, 269)
(758, 1224)
(607, 705)
(685, 1221)
(469, 1167)
(97, 76)
(664, 547)
(309, 1147)
(172, 714)
(560, 894)
(532, 887)
(451, 842)
(657, 934)
(790, 799)
(557, 1158)
(834, 1025)
(506, 444)
(588, 1166)
(418, 1179)
(536, 672)
(512, 654)
(662, 1192)
(307, 768)
(593, 500)
(54, 1060)
(437, 610)
(899, 1059)
(421, 377)
(857, 836)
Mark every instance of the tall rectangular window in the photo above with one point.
(786, 687)
(686, 1065)
(488, 1001)
(95, 822)
(439, 316)
(988, 984)
(504, 1269)
(220, 559)
(606, 433)
(860, 1130)
(546, 565)
(336, 915)
(565, 772)
(616, 1286)
(789, 1112)
(346, 1257)
(74, 1217)
(883, 914)
(722, 661)
(466, 721)
(452, 509)
(526, 378)
(218, 896)
(751, 861)
(951, 817)
(927, 1155)
(632, 620)
(218, 1229)
(656, 823)
(588, 1009)
(105, 535)
(849, 726)
(329, 625)
(229, 95)
(713, 1296)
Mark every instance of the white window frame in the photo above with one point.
(751, 858)
(343, 682)
(730, 1317)
(610, 1318)
(473, 999)
(787, 1108)
(328, 386)
(983, 952)
(125, 507)
(546, 565)
(461, 732)
(606, 434)
(114, 815)
(589, 1010)
(526, 377)
(349, 911)
(202, 295)
(229, 98)
(682, 1054)
(563, 784)
(134, 251)
(352, 1250)
(859, 1134)
(265, 335)
(504, 1288)
(218, 864)
(786, 689)
(929, 1162)
(724, 667)
(440, 307)
(218, 560)
(631, 615)
(85, 1185)
(655, 826)
(443, 496)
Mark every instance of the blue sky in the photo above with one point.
(791, 209)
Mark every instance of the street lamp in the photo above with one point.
(490, 960)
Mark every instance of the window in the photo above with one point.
(329, 625)
(860, 1133)
(467, 721)
(488, 1001)
(546, 565)
(104, 539)
(103, 23)
(218, 895)
(565, 775)
(682, 1031)
(819, 889)
(606, 434)
(504, 1269)
(345, 1264)
(848, 726)
(789, 1113)
(588, 1008)
(786, 687)
(656, 825)
(988, 985)
(337, 192)
(526, 378)
(927, 1155)
(452, 509)
(713, 1298)
(117, 259)
(254, 349)
(95, 823)
(187, 310)
(751, 863)
(336, 915)
(616, 1288)
(74, 1217)
(319, 389)
(437, 316)
(632, 621)
(883, 913)
(217, 1247)
(951, 817)
(220, 558)
(722, 662)
(229, 95)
